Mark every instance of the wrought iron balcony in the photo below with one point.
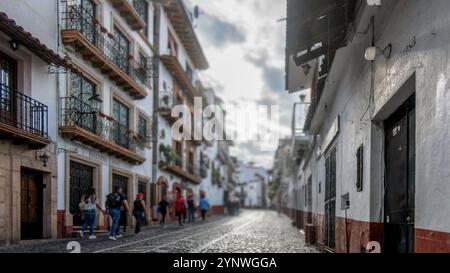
(78, 122)
(165, 106)
(23, 119)
(172, 63)
(193, 169)
(181, 22)
(128, 10)
(101, 48)
(175, 166)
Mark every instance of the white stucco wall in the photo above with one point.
(350, 81)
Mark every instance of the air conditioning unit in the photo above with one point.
(310, 234)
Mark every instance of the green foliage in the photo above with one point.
(170, 155)
(216, 175)
(273, 188)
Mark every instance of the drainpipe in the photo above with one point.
(156, 62)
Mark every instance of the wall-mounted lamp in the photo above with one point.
(372, 52)
(14, 44)
(306, 69)
(44, 158)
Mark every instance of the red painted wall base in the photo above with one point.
(353, 236)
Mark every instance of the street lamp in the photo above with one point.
(44, 158)
(95, 102)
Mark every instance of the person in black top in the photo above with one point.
(162, 208)
(191, 208)
(114, 201)
(139, 210)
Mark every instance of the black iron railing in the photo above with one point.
(76, 113)
(75, 17)
(23, 112)
(193, 169)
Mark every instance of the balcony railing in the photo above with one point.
(99, 131)
(128, 9)
(174, 164)
(193, 169)
(103, 50)
(22, 117)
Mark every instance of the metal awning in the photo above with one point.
(317, 28)
(26, 39)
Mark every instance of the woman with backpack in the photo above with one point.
(139, 211)
(114, 201)
(88, 206)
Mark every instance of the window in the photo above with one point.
(191, 162)
(143, 67)
(179, 151)
(172, 45)
(141, 6)
(8, 79)
(84, 12)
(82, 90)
(121, 124)
(142, 188)
(309, 192)
(189, 71)
(121, 50)
(142, 127)
(360, 169)
(120, 181)
(81, 179)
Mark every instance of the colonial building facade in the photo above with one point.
(28, 122)
(374, 168)
(180, 59)
(111, 46)
(86, 98)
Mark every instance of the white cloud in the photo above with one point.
(249, 68)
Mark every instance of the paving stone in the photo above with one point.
(251, 232)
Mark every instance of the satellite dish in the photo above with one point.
(196, 12)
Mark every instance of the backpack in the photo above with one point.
(111, 200)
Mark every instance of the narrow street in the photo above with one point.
(251, 232)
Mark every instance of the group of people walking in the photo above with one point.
(183, 207)
(118, 208)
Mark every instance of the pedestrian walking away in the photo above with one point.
(191, 208)
(139, 211)
(204, 206)
(114, 201)
(123, 222)
(180, 208)
(162, 209)
(88, 205)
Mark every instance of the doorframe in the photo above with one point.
(41, 201)
(412, 99)
(97, 182)
(131, 181)
(333, 147)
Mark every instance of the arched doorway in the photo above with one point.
(162, 187)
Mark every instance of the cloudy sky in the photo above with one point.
(244, 45)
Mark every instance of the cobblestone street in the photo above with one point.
(251, 232)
